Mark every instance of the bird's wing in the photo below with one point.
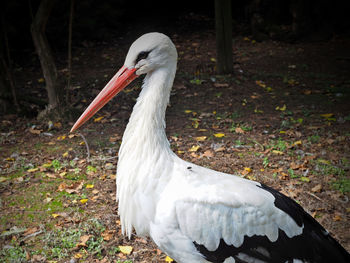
(227, 216)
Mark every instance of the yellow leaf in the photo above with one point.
(194, 148)
(47, 165)
(82, 143)
(55, 215)
(83, 201)
(282, 132)
(41, 80)
(180, 152)
(126, 249)
(32, 170)
(168, 259)
(61, 138)
(283, 108)
(89, 186)
(65, 154)
(277, 152)
(297, 143)
(63, 174)
(248, 169)
(324, 161)
(219, 135)
(188, 111)
(2, 179)
(327, 115)
(201, 138)
(78, 255)
(260, 83)
(98, 119)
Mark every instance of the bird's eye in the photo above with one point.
(142, 55)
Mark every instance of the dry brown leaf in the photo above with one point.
(208, 154)
(107, 235)
(317, 188)
(30, 231)
(239, 130)
(83, 240)
(34, 131)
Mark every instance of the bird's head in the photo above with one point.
(148, 53)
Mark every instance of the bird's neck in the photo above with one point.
(145, 158)
(145, 132)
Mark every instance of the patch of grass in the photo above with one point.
(59, 242)
(342, 184)
(243, 126)
(13, 253)
(314, 138)
(279, 145)
(266, 162)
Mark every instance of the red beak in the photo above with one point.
(120, 80)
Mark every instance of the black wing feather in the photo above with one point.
(313, 245)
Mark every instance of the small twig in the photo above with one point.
(315, 196)
(87, 146)
(32, 235)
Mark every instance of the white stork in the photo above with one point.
(192, 213)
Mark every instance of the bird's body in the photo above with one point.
(192, 213)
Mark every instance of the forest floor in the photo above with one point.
(282, 118)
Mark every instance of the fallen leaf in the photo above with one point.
(78, 255)
(200, 138)
(239, 130)
(64, 155)
(98, 119)
(33, 131)
(277, 152)
(55, 215)
(337, 218)
(219, 135)
(327, 115)
(89, 186)
(32, 170)
(61, 138)
(63, 174)
(246, 171)
(2, 179)
(208, 154)
(61, 187)
(305, 179)
(260, 83)
(83, 201)
(126, 249)
(317, 188)
(283, 108)
(30, 231)
(168, 259)
(107, 235)
(194, 148)
(83, 240)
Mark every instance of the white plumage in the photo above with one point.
(192, 213)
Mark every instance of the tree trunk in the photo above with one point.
(223, 25)
(44, 52)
